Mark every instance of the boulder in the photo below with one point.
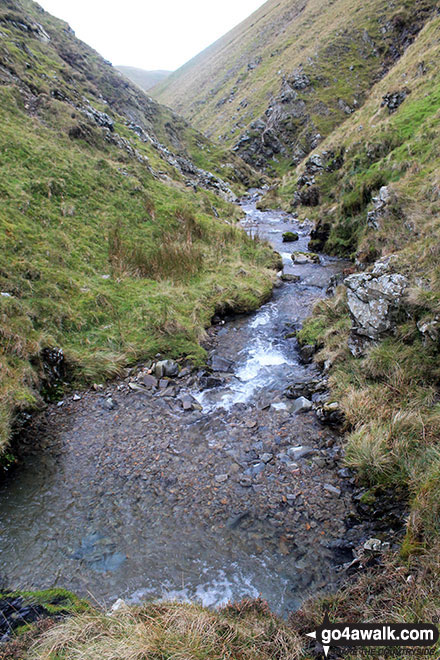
(301, 405)
(290, 277)
(290, 237)
(430, 329)
(394, 99)
(305, 258)
(306, 353)
(221, 364)
(374, 300)
(166, 368)
(319, 235)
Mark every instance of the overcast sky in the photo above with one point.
(159, 34)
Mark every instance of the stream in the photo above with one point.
(120, 493)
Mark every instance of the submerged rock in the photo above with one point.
(289, 277)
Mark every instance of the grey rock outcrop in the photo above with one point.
(379, 210)
(375, 301)
(394, 99)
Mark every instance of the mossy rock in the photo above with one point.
(290, 237)
(305, 258)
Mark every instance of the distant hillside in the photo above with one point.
(113, 218)
(145, 79)
(282, 80)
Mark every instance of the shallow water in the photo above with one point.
(265, 360)
(87, 510)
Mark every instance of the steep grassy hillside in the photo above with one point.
(373, 189)
(281, 81)
(144, 79)
(114, 243)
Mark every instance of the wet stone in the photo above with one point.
(296, 453)
(301, 405)
(149, 381)
(221, 364)
(161, 478)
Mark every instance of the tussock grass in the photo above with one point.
(394, 592)
(179, 631)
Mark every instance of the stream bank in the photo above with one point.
(205, 486)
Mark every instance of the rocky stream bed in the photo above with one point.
(204, 484)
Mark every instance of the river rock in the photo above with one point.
(290, 237)
(188, 402)
(219, 363)
(298, 389)
(332, 490)
(149, 381)
(301, 405)
(234, 521)
(208, 381)
(290, 277)
(167, 368)
(296, 453)
(255, 469)
(306, 353)
(305, 258)
(221, 478)
(374, 301)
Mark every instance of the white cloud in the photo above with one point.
(163, 34)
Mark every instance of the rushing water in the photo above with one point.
(263, 356)
(63, 524)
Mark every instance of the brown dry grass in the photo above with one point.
(247, 631)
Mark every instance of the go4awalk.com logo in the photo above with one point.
(364, 635)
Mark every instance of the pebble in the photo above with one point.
(149, 381)
(221, 478)
(332, 489)
(301, 452)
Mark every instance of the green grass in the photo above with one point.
(106, 251)
(111, 267)
(341, 46)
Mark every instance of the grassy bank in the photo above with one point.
(245, 631)
(105, 261)
(114, 247)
